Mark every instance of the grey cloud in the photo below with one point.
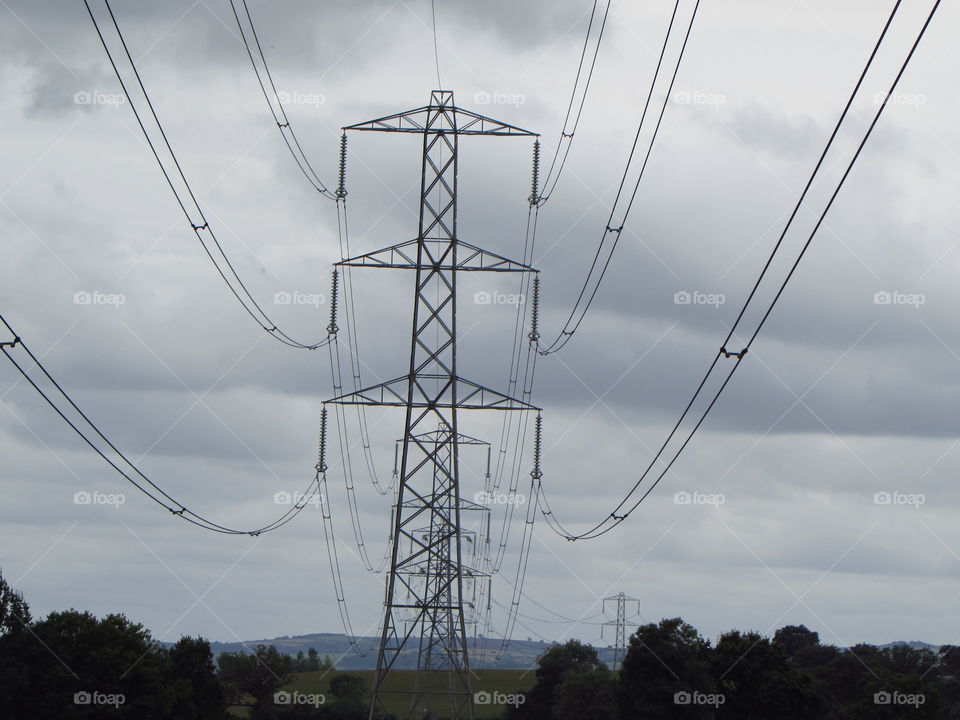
(89, 212)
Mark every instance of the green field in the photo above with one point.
(506, 682)
(501, 681)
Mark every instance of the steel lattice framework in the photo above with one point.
(425, 588)
(621, 601)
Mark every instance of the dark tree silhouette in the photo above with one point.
(558, 665)
(587, 695)
(73, 665)
(190, 675)
(666, 665)
(758, 681)
(259, 674)
(14, 612)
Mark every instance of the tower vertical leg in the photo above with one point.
(427, 564)
(424, 606)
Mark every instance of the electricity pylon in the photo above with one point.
(475, 534)
(620, 624)
(424, 593)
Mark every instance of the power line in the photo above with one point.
(200, 224)
(336, 371)
(813, 175)
(330, 538)
(614, 516)
(526, 541)
(517, 441)
(145, 485)
(343, 438)
(275, 103)
(569, 128)
(522, 564)
(619, 514)
(615, 229)
(537, 200)
(350, 317)
(436, 48)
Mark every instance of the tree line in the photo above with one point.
(670, 671)
(72, 664)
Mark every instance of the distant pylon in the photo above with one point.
(620, 624)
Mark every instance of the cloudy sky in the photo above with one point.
(841, 398)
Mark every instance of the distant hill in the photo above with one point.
(915, 644)
(520, 654)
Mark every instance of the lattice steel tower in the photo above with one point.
(620, 624)
(424, 594)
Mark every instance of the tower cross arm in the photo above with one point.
(467, 258)
(456, 120)
(469, 395)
